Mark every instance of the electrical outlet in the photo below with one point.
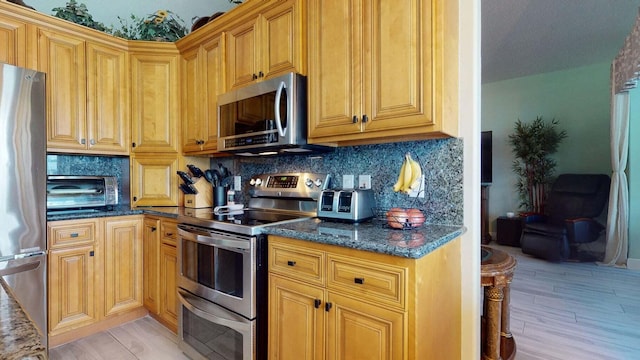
(419, 191)
(348, 181)
(237, 182)
(364, 181)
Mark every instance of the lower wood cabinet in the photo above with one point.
(95, 275)
(160, 270)
(329, 302)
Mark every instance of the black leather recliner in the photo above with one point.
(572, 204)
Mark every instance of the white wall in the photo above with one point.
(108, 11)
(579, 98)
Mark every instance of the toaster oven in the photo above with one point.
(67, 192)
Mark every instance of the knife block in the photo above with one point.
(204, 197)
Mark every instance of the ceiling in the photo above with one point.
(526, 37)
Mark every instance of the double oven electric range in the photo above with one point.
(222, 266)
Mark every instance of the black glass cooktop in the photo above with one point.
(246, 221)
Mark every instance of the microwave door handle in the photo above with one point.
(276, 111)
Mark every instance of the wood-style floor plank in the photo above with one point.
(569, 310)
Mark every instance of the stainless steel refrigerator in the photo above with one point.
(23, 179)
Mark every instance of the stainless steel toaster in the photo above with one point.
(349, 205)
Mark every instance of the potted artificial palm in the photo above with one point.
(532, 144)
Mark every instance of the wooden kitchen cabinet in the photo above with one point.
(203, 79)
(71, 278)
(95, 275)
(331, 302)
(379, 72)
(153, 180)
(87, 93)
(265, 43)
(151, 262)
(160, 270)
(155, 91)
(122, 264)
(13, 39)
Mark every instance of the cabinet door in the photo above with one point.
(122, 265)
(400, 90)
(357, 330)
(12, 41)
(193, 121)
(62, 58)
(71, 288)
(107, 100)
(296, 320)
(281, 38)
(151, 263)
(154, 181)
(155, 109)
(335, 75)
(214, 73)
(169, 286)
(243, 53)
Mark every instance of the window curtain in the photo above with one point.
(618, 216)
(625, 72)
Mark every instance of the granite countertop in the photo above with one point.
(372, 236)
(120, 210)
(19, 338)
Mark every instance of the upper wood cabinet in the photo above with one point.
(266, 42)
(379, 72)
(155, 91)
(153, 180)
(202, 70)
(13, 40)
(87, 93)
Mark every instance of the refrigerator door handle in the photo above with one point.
(20, 268)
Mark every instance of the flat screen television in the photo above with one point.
(486, 173)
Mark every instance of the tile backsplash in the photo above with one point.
(117, 166)
(441, 162)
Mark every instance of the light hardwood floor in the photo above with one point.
(574, 310)
(559, 311)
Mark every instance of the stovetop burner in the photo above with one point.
(247, 222)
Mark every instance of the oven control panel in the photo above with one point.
(295, 185)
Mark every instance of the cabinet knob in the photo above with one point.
(153, 229)
(291, 263)
(355, 119)
(91, 253)
(365, 118)
(327, 306)
(92, 142)
(316, 303)
(83, 141)
(135, 198)
(133, 144)
(254, 76)
(358, 280)
(261, 74)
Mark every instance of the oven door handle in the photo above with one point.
(213, 313)
(206, 239)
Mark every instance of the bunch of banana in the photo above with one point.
(410, 173)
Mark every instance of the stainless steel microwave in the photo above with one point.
(265, 118)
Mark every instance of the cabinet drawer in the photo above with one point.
(299, 263)
(378, 282)
(72, 233)
(169, 232)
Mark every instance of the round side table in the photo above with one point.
(496, 271)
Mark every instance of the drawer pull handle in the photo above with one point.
(327, 306)
(358, 280)
(169, 234)
(291, 263)
(74, 235)
(316, 303)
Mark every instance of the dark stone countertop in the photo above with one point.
(19, 338)
(372, 236)
(120, 210)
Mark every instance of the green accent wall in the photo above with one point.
(578, 98)
(633, 171)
